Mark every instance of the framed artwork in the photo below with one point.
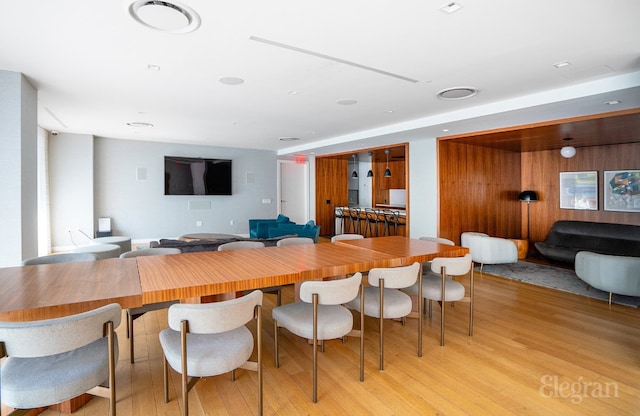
(579, 190)
(621, 190)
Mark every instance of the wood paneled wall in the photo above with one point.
(541, 172)
(331, 190)
(478, 188)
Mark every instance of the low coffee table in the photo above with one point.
(207, 236)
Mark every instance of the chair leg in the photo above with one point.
(442, 306)
(471, 298)
(276, 358)
(185, 378)
(361, 332)
(381, 324)
(315, 348)
(112, 369)
(165, 367)
(130, 334)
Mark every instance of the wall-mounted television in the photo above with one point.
(196, 176)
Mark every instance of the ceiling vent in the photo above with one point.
(165, 16)
(457, 93)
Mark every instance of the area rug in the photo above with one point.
(555, 278)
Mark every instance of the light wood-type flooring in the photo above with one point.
(535, 351)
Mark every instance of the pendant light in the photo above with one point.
(387, 171)
(355, 173)
(370, 173)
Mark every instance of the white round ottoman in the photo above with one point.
(123, 242)
(103, 251)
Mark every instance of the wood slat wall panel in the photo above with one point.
(541, 172)
(332, 183)
(478, 189)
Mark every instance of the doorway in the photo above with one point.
(293, 190)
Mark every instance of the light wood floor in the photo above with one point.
(535, 351)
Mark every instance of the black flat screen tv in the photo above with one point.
(196, 176)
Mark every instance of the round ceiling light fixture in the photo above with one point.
(568, 151)
(165, 16)
(457, 93)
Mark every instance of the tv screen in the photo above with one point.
(196, 176)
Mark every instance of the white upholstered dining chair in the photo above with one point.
(384, 300)
(54, 360)
(135, 313)
(60, 258)
(320, 316)
(343, 237)
(210, 339)
(440, 287)
(294, 241)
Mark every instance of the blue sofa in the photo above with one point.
(259, 228)
(307, 230)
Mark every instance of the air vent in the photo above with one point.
(165, 16)
(457, 93)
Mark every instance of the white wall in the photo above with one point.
(70, 189)
(18, 196)
(139, 209)
(423, 191)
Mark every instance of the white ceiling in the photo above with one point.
(89, 62)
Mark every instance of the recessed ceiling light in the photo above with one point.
(457, 93)
(445, 130)
(166, 16)
(139, 124)
(562, 64)
(231, 81)
(450, 7)
(293, 92)
(289, 139)
(614, 102)
(388, 111)
(346, 102)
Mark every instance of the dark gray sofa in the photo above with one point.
(210, 244)
(567, 238)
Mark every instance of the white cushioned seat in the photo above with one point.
(333, 322)
(37, 382)
(209, 353)
(453, 290)
(397, 304)
(53, 360)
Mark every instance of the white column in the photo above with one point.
(18, 167)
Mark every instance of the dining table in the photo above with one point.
(53, 290)
(47, 291)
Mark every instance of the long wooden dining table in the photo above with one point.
(53, 290)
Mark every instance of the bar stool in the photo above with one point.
(372, 218)
(391, 219)
(354, 220)
(339, 213)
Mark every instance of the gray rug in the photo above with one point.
(555, 278)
